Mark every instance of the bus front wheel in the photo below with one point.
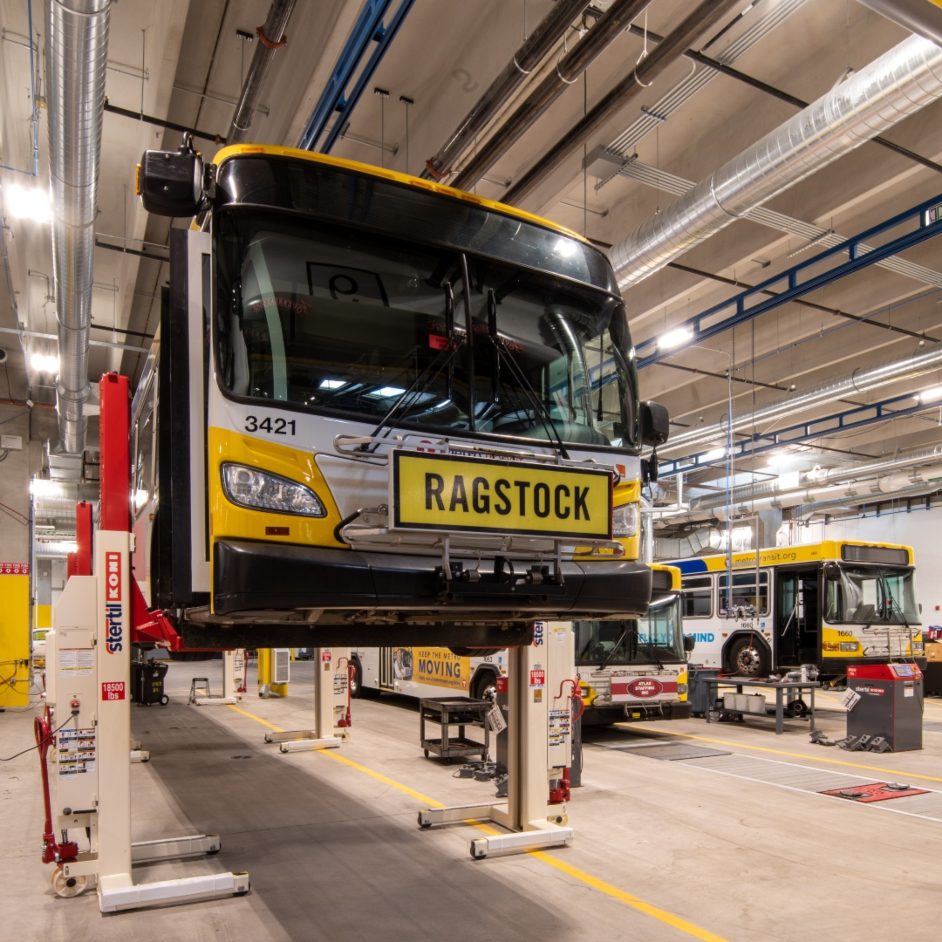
(748, 658)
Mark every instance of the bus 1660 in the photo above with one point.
(829, 604)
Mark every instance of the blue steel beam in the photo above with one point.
(756, 444)
(925, 218)
(370, 27)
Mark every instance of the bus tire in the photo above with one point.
(484, 685)
(748, 658)
(356, 678)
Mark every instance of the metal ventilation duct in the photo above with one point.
(76, 55)
(891, 88)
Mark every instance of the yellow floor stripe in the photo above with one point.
(779, 752)
(622, 896)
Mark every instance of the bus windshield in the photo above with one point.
(337, 321)
(870, 595)
(655, 638)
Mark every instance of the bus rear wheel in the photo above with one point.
(484, 685)
(748, 658)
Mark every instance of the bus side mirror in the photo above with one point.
(170, 183)
(655, 424)
(690, 642)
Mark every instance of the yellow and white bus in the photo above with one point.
(381, 411)
(636, 668)
(831, 604)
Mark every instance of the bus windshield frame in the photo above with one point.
(655, 638)
(317, 315)
(860, 594)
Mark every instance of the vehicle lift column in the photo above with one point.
(331, 705)
(233, 679)
(541, 688)
(90, 710)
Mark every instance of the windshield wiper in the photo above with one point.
(611, 654)
(539, 408)
(445, 357)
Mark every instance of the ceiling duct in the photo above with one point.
(882, 94)
(858, 382)
(76, 55)
(535, 48)
(705, 15)
(860, 484)
(271, 37)
(606, 30)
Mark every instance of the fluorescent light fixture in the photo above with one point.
(386, 392)
(43, 487)
(141, 497)
(932, 394)
(28, 203)
(332, 383)
(44, 362)
(62, 546)
(675, 338)
(714, 454)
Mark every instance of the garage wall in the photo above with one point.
(14, 484)
(917, 528)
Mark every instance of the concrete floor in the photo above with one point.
(664, 850)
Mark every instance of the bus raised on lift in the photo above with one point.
(380, 410)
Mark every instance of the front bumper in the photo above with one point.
(254, 576)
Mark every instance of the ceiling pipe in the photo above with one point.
(892, 87)
(915, 15)
(856, 383)
(531, 53)
(76, 56)
(704, 16)
(594, 42)
(855, 483)
(271, 38)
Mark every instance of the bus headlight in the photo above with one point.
(625, 520)
(261, 490)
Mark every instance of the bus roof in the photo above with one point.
(826, 551)
(239, 150)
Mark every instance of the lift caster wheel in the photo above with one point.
(67, 887)
(164, 700)
(424, 822)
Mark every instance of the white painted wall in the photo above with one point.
(921, 529)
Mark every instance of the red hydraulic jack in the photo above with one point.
(100, 613)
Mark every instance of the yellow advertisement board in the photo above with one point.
(441, 668)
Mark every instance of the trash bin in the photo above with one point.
(889, 705)
(147, 682)
(699, 690)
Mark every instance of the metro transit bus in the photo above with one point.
(627, 668)
(830, 604)
(380, 411)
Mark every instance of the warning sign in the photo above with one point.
(537, 677)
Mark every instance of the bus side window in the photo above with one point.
(744, 593)
(698, 596)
